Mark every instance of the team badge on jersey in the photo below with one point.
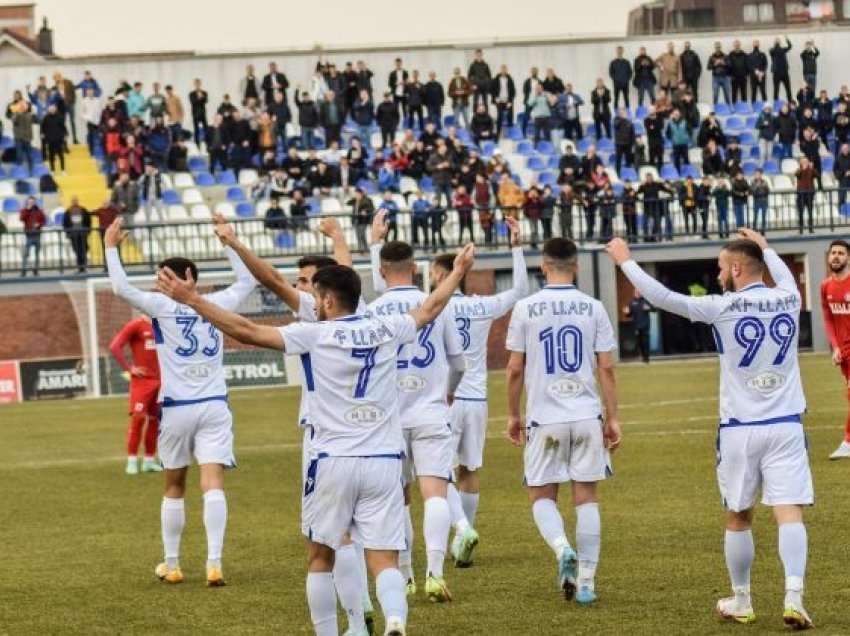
(767, 382)
(411, 383)
(565, 388)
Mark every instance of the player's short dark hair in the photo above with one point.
(179, 265)
(396, 252)
(748, 249)
(562, 253)
(840, 243)
(445, 261)
(317, 261)
(341, 281)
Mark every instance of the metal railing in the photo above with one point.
(655, 220)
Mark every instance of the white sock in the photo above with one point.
(793, 546)
(405, 557)
(365, 599)
(389, 587)
(215, 521)
(347, 580)
(458, 516)
(740, 552)
(172, 517)
(436, 526)
(134, 458)
(470, 505)
(551, 525)
(844, 444)
(588, 538)
(322, 601)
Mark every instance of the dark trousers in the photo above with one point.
(690, 220)
(400, 102)
(565, 217)
(652, 220)
(693, 85)
(739, 89)
(91, 137)
(504, 113)
(723, 219)
(602, 122)
(589, 221)
(199, 127)
(621, 153)
(703, 213)
(434, 115)
(479, 93)
(680, 156)
(414, 112)
(572, 129)
(642, 336)
(70, 112)
(218, 156)
(420, 223)
(656, 154)
(387, 137)
(55, 150)
(541, 129)
(782, 80)
(805, 202)
(79, 243)
(758, 86)
(631, 226)
(546, 221)
(437, 218)
(646, 88)
(464, 222)
(621, 89)
(332, 133)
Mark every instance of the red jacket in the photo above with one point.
(33, 219)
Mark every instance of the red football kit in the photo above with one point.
(835, 301)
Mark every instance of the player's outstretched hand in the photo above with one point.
(380, 227)
(330, 227)
(612, 434)
(516, 431)
(752, 235)
(114, 234)
(465, 258)
(224, 230)
(618, 250)
(175, 287)
(514, 231)
(837, 357)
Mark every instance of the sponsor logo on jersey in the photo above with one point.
(411, 383)
(364, 414)
(766, 383)
(565, 388)
(840, 309)
(198, 371)
(150, 343)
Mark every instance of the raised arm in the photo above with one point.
(331, 228)
(236, 293)
(779, 271)
(150, 303)
(505, 300)
(439, 298)
(379, 231)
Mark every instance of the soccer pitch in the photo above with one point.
(80, 539)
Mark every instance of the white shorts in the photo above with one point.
(428, 452)
(204, 430)
(306, 452)
(469, 428)
(570, 451)
(773, 457)
(358, 495)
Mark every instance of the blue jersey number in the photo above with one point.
(426, 357)
(750, 334)
(368, 357)
(563, 348)
(190, 347)
(463, 325)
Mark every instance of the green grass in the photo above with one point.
(79, 539)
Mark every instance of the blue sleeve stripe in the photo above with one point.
(157, 331)
(307, 365)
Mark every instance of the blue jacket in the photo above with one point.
(421, 208)
(387, 179)
(86, 84)
(392, 210)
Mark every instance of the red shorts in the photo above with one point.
(143, 397)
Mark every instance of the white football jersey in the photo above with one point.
(190, 350)
(423, 366)
(756, 330)
(560, 330)
(349, 369)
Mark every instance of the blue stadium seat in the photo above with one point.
(170, 197)
(743, 108)
(19, 172)
(39, 170)
(487, 148)
(368, 186)
(535, 163)
(235, 194)
(525, 148)
(501, 228)
(225, 178)
(844, 210)
(722, 110)
(755, 153)
(204, 179)
(750, 121)
(197, 164)
(11, 205)
(464, 135)
(514, 134)
(315, 205)
(553, 162)
(734, 124)
(669, 172)
(449, 120)
(545, 147)
(749, 168)
(37, 157)
(244, 210)
(6, 142)
(24, 188)
(827, 163)
(3, 174)
(583, 145)
(628, 174)
(758, 106)
(747, 138)
(605, 145)
(690, 171)
(639, 128)
(517, 179)
(771, 167)
(58, 218)
(547, 178)
(642, 112)
(777, 105)
(285, 240)
(618, 188)
(427, 184)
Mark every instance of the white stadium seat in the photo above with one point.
(192, 196)
(201, 211)
(178, 213)
(225, 208)
(248, 177)
(183, 180)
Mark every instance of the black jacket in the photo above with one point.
(810, 61)
(786, 124)
(841, 168)
(267, 85)
(757, 61)
(434, 94)
(552, 85)
(362, 113)
(620, 71)
(386, 114)
(308, 114)
(654, 130)
(479, 74)
(198, 100)
(482, 125)
(495, 87)
(691, 65)
(624, 132)
(779, 59)
(644, 70)
(280, 112)
(392, 82)
(415, 92)
(53, 128)
(739, 64)
(718, 64)
(331, 114)
(526, 88)
(601, 103)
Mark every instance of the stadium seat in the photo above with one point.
(235, 194)
(743, 108)
(553, 162)
(57, 216)
(11, 205)
(244, 210)
(248, 177)
(192, 196)
(722, 109)
(536, 163)
(225, 178)
(170, 197)
(777, 105)
(749, 168)
(771, 167)
(828, 179)
(226, 209)
(690, 171)
(178, 213)
(695, 155)
(525, 148)
(204, 179)
(329, 205)
(734, 124)
(6, 142)
(783, 183)
(487, 148)
(758, 106)
(197, 164)
(515, 134)
(183, 180)
(747, 138)
(669, 172)
(39, 170)
(827, 163)
(201, 212)
(755, 153)
(285, 240)
(628, 174)
(7, 189)
(790, 166)
(605, 145)
(618, 188)
(640, 129)
(844, 210)
(547, 179)
(642, 112)
(19, 172)
(545, 147)
(583, 145)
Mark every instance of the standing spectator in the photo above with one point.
(482, 125)
(620, 72)
(91, 110)
(33, 219)
(718, 64)
(434, 97)
(249, 85)
(823, 110)
(739, 70)
(136, 101)
(766, 126)
(158, 143)
(363, 114)
(481, 199)
(218, 141)
(779, 67)
(421, 217)
(628, 200)
(712, 160)
(174, 110)
(510, 196)
(532, 209)
(280, 114)
(740, 199)
(54, 132)
(390, 208)
(654, 126)
(438, 218)
(89, 82)
(387, 117)
(273, 81)
(397, 83)
(638, 312)
(710, 130)
(669, 68)
(155, 104)
(786, 126)
(721, 193)
(704, 203)
(331, 117)
(567, 197)
(650, 192)
(440, 168)
(125, 196)
(760, 189)
(178, 156)
(806, 176)
(299, 208)
(68, 93)
(757, 68)
(601, 100)
(308, 118)
(810, 148)
(363, 78)
(150, 189)
(540, 113)
(22, 121)
(691, 69)
(809, 57)
(841, 124)
(503, 92)
(552, 83)
(644, 80)
(607, 201)
(624, 139)
(528, 88)
(349, 78)
(112, 146)
(480, 77)
(547, 211)
(572, 116)
(77, 224)
(463, 205)
(198, 99)
(459, 90)
(679, 134)
(841, 170)
(362, 210)
(415, 96)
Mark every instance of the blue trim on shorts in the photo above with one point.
(466, 399)
(782, 419)
(167, 401)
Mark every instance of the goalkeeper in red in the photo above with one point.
(835, 301)
(144, 388)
